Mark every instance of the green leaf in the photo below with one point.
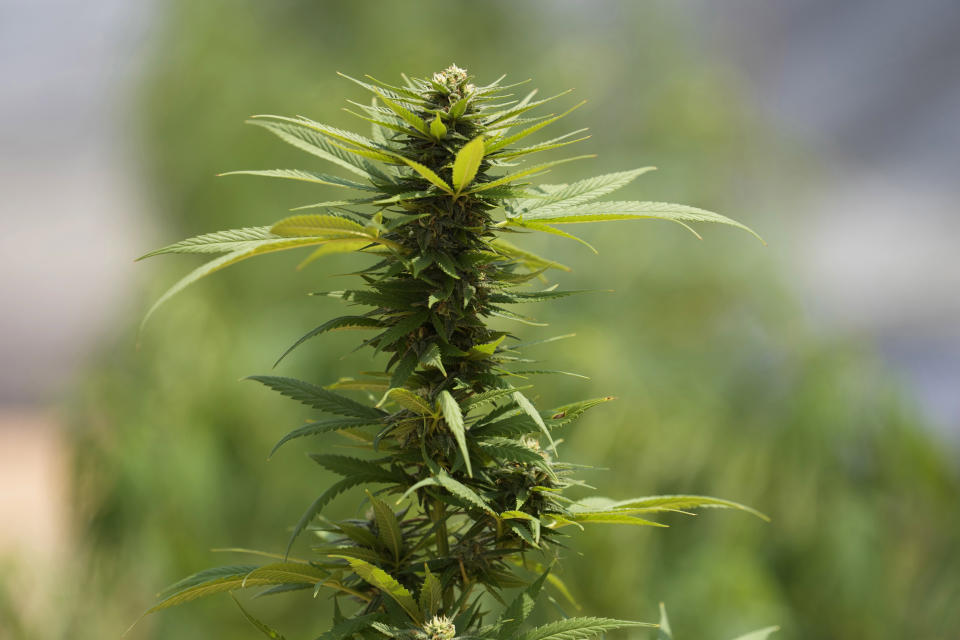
(487, 349)
(578, 628)
(427, 173)
(454, 419)
(534, 523)
(680, 502)
(431, 594)
(348, 628)
(528, 259)
(341, 323)
(388, 528)
(354, 467)
(332, 133)
(612, 517)
(411, 118)
(318, 397)
(308, 225)
(204, 584)
(219, 242)
(527, 407)
(403, 326)
(520, 608)
(461, 490)
(760, 634)
(584, 191)
(311, 141)
(600, 211)
(437, 129)
(332, 492)
(264, 628)
(287, 573)
(467, 163)
(540, 168)
(499, 143)
(338, 246)
(387, 584)
(206, 576)
(323, 426)
(303, 176)
(248, 251)
(545, 228)
(410, 400)
(431, 358)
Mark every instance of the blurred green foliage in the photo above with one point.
(723, 387)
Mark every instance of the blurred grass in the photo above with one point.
(723, 388)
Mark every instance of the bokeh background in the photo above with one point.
(817, 379)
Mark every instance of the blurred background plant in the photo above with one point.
(748, 373)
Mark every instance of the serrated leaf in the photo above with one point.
(303, 176)
(600, 211)
(206, 576)
(534, 523)
(681, 502)
(461, 490)
(613, 517)
(212, 585)
(388, 528)
(520, 608)
(454, 420)
(513, 177)
(431, 357)
(527, 407)
(218, 242)
(337, 246)
(411, 118)
(427, 173)
(487, 349)
(431, 594)
(287, 573)
(318, 397)
(410, 400)
(263, 627)
(437, 129)
(347, 628)
(332, 492)
(545, 228)
(313, 142)
(387, 584)
(249, 251)
(467, 163)
(583, 191)
(315, 224)
(341, 323)
(530, 260)
(499, 143)
(578, 628)
(323, 426)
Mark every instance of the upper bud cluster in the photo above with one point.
(454, 79)
(439, 628)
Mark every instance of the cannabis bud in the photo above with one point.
(454, 80)
(438, 628)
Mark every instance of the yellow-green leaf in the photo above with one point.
(467, 163)
(385, 583)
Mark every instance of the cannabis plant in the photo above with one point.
(464, 486)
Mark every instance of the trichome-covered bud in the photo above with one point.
(438, 628)
(534, 445)
(454, 79)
